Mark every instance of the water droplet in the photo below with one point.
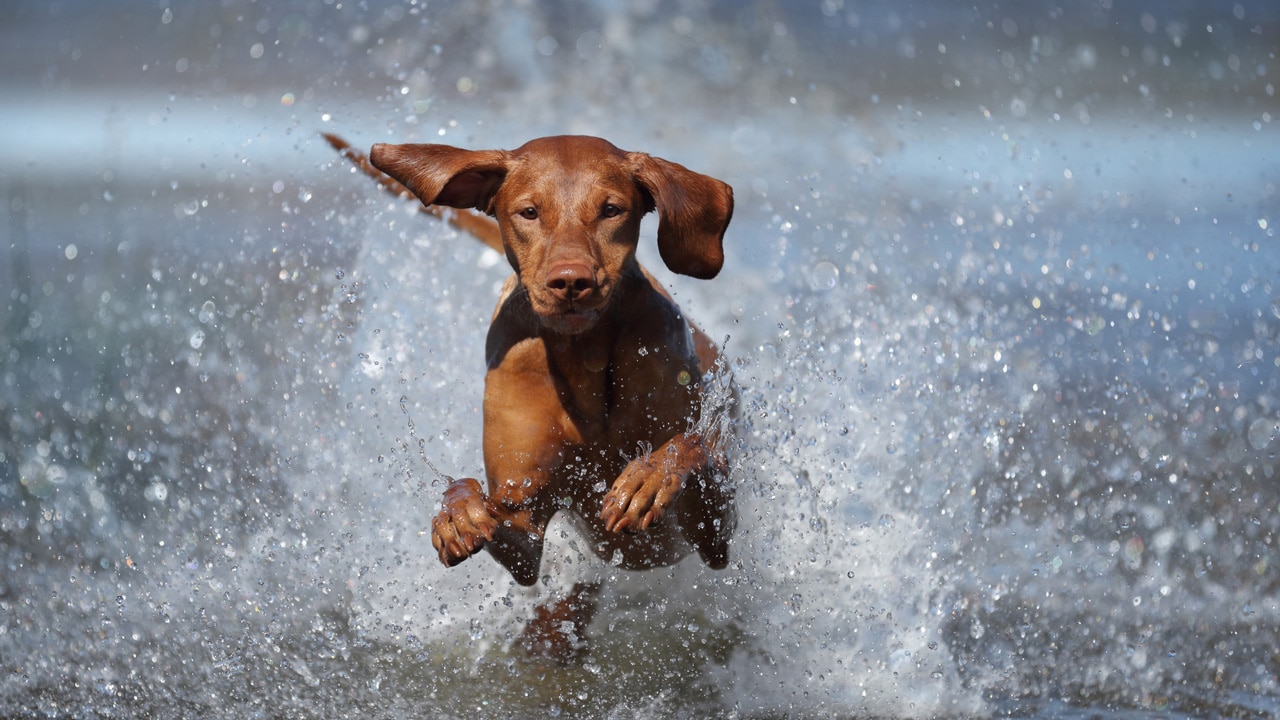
(824, 276)
(1262, 432)
(590, 45)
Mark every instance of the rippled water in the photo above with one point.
(1000, 298)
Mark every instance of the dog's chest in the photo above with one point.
(627, 398)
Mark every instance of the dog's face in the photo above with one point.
(569, 209)
(570, 218)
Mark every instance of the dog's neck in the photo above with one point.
(581, 363)
(589, 350)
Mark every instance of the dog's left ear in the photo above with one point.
(693, 214)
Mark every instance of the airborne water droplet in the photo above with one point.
(1262, 432)
(824, 276)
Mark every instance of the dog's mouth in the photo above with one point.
(569, 316)
(570, 321)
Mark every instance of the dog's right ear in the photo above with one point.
(443, 174)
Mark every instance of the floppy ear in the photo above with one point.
(693, 213)
(442, 174)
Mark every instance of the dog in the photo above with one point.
(595, 380)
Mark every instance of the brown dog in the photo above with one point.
(595, 379)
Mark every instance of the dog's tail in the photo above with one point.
(482, 228)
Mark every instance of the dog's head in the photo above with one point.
(569, 208)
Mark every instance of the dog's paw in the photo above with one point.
(642, 493)
(463, 524)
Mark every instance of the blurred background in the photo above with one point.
(1000, 297)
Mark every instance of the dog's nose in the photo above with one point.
(571, 281)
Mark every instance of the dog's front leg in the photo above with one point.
(469, 520)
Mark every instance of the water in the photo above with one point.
(1000, 297)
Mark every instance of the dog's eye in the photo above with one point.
(529, 213)
(610, 210)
